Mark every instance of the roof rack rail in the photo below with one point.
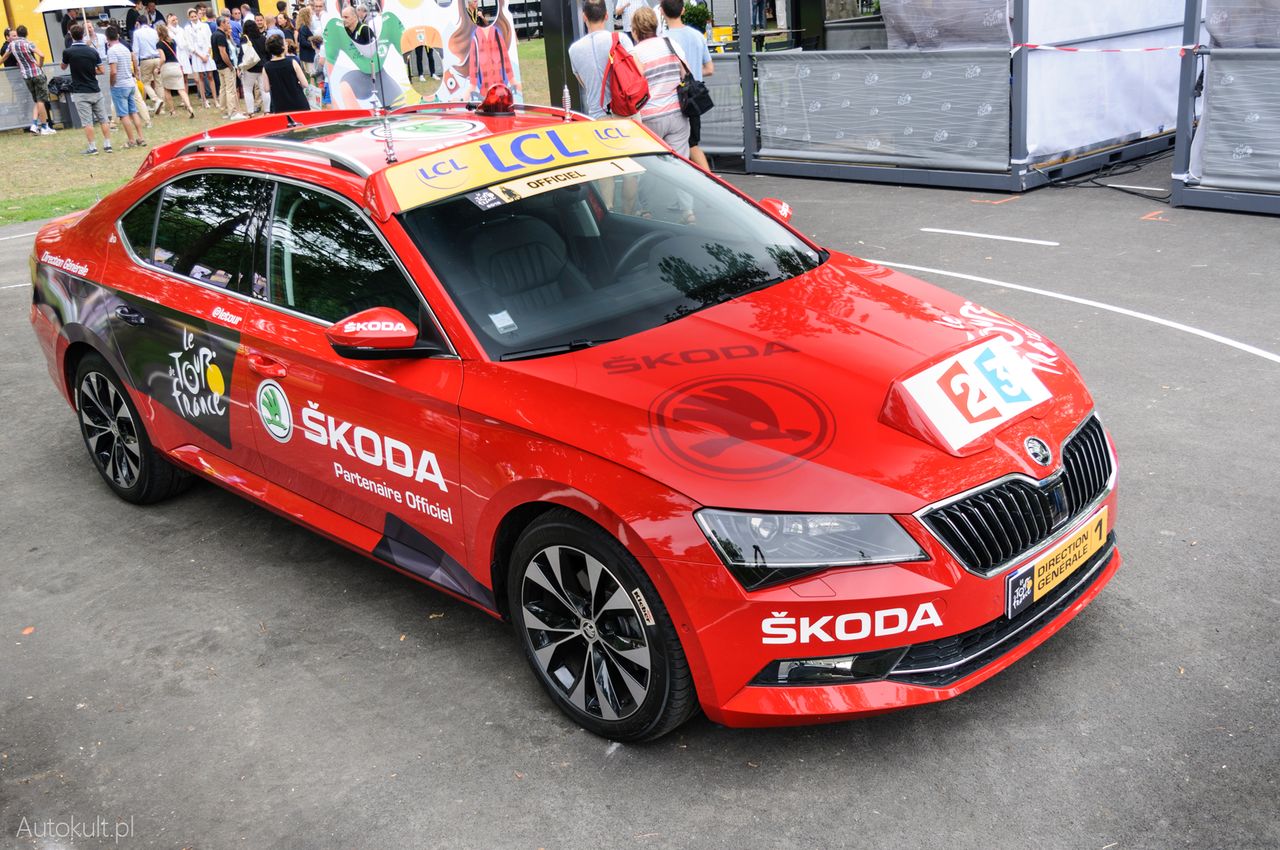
(335, 159)
(471, 107)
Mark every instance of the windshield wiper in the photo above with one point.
(549, 350)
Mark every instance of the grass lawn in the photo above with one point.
(49, 176)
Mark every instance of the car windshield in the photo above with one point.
(592, 253)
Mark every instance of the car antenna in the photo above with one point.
(566, 101)
(379, 97)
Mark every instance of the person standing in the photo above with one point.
(663, 65)
(224, 57)
(146, 51)
(268, 28)
(171, 77)
(70, 18)
(284, 80)
(98, 41)
(132, 17)
(200, 43)
(698, 57)
(86, 97)
(10, 36)
(306, 49)
(178, 39)
(319, 17)
(627, 9)
(251, 77)
(124, 88)
(357, 30)
(237, 23)
(285, 23)
(589, 57)
(31, 66)
(477, 15)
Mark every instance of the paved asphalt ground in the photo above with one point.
(220, 678)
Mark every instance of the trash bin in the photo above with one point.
(60, 89)
(63, 115)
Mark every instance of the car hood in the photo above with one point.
(788, 399)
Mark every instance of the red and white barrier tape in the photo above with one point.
(1181, 48)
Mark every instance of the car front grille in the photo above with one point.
(942, 662)
(997, 525)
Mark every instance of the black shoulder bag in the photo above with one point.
(692, 93)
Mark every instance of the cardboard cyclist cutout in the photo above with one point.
(475, 57)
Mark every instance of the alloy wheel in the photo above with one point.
(587, 637)
(109, 430)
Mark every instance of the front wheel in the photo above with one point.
(595, 632)
(116, 439)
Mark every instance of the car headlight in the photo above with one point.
(761, 549)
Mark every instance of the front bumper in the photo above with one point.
(915, 683)
(974, 641)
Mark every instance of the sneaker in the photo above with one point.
(422, 78)
(239, 116)
(34, 128)
(107, 148)
(141, 143)
(91, 151)
(435, 76)
(47, 131)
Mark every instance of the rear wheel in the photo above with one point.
(595, 632)
(116, 439)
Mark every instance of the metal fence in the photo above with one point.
(1228, 154)
(944, 109)
(1241, 123)
(15, 100)
(722, 126)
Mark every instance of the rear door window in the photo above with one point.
(210, 229)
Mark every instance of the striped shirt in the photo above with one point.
(119, 57)
(662, 70)
(25, 52)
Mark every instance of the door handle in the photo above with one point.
(266, 366)
(130, 316)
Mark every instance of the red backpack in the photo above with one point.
(625, 82)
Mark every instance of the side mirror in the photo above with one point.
(778, 209)
(378, 333)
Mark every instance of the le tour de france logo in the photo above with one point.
(199, 388)
(740, 427)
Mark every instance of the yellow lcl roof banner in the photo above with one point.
(499, 158)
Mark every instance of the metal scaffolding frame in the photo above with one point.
(1187, 193)
(1021, 176)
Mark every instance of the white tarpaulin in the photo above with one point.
(1086, 100)
(1077, 101)
(1056, 21)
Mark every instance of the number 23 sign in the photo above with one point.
(974, 392)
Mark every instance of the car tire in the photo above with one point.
(578, 599)
(117, 440)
